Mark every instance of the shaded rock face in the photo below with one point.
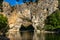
(29, 13)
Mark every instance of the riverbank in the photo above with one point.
(43, 31)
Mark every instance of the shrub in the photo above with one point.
(59, 4)
(1, 5)
(1, 2)
(3, 24)
(53, 21)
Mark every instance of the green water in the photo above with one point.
(52, 36)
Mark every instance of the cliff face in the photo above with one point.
(29, 13)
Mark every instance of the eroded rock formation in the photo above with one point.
(29, 13)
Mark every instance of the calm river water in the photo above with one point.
(32, 36)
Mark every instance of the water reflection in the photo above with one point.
(52, 36)
(14, 35)
(27, 35)
(32, 36)
(41, 36)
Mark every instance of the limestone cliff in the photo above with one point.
(29, 13)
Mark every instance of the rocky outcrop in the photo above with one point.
(29, 13)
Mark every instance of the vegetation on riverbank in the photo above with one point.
(53, 21)
(1, 5)
(1, 2)
(3, 24)
(59, 4)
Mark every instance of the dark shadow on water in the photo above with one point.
(57, 30)
(52, 36)
(29, 29)
(27, 33)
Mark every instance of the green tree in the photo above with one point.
(1, 5)
(3, 24)
(59, 4)
(53, 21)
(1, 2)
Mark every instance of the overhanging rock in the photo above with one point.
(29, 13)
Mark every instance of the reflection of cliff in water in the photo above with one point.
(41, 36)
(26, 33)
(27, 36)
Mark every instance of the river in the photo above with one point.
(26, 35)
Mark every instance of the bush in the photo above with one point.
(1, 5)
(59, 4)
(3, 24)
(1, 2)
(53, 21)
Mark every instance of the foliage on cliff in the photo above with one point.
(1, 2)
(1, 5)
(53, 21)
(3, 24)
(59, 4)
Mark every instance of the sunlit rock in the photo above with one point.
(29, 13)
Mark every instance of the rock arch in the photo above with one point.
(37, 13)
